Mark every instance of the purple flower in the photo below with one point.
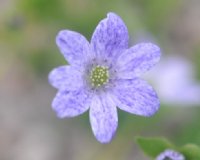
(170, 155)
(175, 82)
(104, 74)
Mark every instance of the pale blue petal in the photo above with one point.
(103, 118)
(110, 37)
(66, 78)
(170, 154)
(136, 96)
(137, 60)
(71, 103)
(73, 46)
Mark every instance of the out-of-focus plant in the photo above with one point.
(161, 148)
(174, 78)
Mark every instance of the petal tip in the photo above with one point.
(59, 37)
(105, 139)
(152, 46)
(154, 110)
(51, 78)
(109, 14)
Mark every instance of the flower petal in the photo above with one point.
(66, 78)
(137, 60)
(170, 154)
(110, 36)
(71, 103)
(73, 46)
(103, 118)
(136, 96)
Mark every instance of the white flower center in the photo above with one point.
(99, 76)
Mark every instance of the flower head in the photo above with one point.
(170, 155)
(174, 79)
(104, 74)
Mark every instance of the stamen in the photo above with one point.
(99, 76)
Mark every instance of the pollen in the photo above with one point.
(99, 76)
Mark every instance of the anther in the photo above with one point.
(99, 76)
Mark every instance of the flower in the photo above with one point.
(104, 74)
(174, 80)
(169, 154)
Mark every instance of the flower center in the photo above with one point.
(99, 76)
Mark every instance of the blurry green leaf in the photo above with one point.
(191, 152)
(43, 9)
(157, 13)
(153, 146)
(41, 61)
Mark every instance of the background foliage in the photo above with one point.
(30, 129)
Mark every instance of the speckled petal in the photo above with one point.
(136, 96)
(103, 118)
(110, 36)
(73, 46)
(71, 103)
(66, 78)
(137, 60)
(170, 154)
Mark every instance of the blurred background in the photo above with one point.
(30, 129)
